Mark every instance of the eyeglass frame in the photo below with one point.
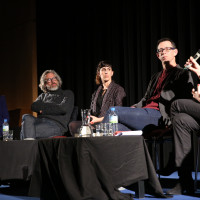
(50, 79)
(167, 49)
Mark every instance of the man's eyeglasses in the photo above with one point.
(50, 79)
(166, 49)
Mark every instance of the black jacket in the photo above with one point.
(178, 85)
(56, 105)
(113, 97)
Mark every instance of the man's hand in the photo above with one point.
(194, 66)
(196, 94)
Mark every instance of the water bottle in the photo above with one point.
(113, 119)
(5, 129)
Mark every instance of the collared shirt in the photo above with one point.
(154, 100)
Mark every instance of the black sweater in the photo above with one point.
(56, 105)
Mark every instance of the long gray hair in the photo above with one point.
(42, 84)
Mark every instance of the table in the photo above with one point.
(79, 168)
(17, 159)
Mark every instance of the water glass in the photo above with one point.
(107, 129)
(98, 130)
(110, 129)
(9, 136)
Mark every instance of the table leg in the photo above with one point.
(140, 192)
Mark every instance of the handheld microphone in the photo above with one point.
(196, 56)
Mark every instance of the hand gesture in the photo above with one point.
(196, 94)
(194, 65)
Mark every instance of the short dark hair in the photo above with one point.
(99, 66)
(166, 39)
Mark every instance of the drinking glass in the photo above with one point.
(10, 135)
(105, 129)
(98, 130)
(110, 129)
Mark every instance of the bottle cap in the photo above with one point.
(5, 120)
(112, 109)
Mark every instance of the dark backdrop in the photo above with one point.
(73, 36)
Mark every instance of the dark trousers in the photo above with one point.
(134, 118)
(186, 121)
(33, 127)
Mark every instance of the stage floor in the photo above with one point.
(17, 193)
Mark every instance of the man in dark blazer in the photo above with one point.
(173, 82)
(3, 113)
(185, 119)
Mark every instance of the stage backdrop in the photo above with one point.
(18, 57)
(72, 38)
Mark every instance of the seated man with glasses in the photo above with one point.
(173, 82)
(53, 107)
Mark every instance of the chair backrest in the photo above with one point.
(74, 115)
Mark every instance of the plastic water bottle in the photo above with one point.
(113, 118)
(5, 129)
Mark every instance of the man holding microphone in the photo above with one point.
(185, 116)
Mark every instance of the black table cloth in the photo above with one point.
(81, 168)
(17, 159)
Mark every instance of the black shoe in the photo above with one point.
(187, 184)
(182, 188)
(177, 190)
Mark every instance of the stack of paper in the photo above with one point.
(120, 133)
